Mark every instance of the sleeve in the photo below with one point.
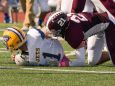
(78, 6)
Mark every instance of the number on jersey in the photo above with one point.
(77, 18)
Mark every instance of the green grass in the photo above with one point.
(12, 75)
(18, 77)
(3, 26)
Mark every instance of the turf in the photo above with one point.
(12, 75)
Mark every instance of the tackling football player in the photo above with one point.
(95, 43)
(94, 48)
(77, 28)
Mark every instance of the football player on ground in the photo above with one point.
(33, 49)
(75, 29)
(41, 51)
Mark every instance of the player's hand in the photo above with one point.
(13, 57)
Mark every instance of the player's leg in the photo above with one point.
(29, 15)
(5, 6)
(110, 41)
(44, 9)
(80, 58)
(95, 45)
(104, 57)
(27, 6)
(23, 5)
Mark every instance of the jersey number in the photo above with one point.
(77, 18)
(52, 56)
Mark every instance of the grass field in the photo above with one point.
(12, 75)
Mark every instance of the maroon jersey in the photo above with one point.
(84, 25)
(106, 6)
(78, 6)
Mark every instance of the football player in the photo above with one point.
(75, 29)
(76, 6)
(41, 51)
(95, 43)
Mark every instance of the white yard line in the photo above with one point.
(70, 71)
(60, 70)
(4, 51)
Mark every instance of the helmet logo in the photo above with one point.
(61, 22)
(6, 38)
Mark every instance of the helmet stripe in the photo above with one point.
(17, 33)
(20, 33)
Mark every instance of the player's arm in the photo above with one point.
(58, 7)
(89, 6)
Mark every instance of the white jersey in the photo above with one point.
(43, 51)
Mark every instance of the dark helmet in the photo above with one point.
(57, 21)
